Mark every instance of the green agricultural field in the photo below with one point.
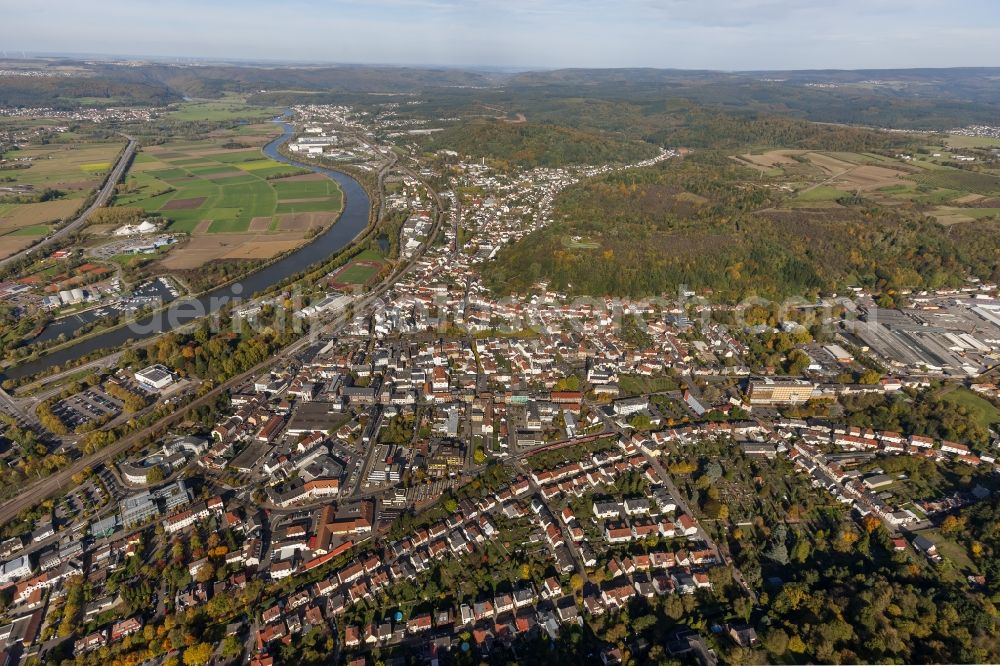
(956, 179)
(97, 167)
(229, 108)
(239, 157)
(199, 187)
(955, 215)
(70, 167)
(305, 189)
(311, 206)
(33, 230)
(73, 167)
(959, 141)
(821, 193)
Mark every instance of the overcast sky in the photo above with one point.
(692, 34)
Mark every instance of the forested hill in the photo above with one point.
(529, 144)
(715, 226)
(696, 126)
(937, 99)
(66, 92)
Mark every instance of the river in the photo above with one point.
(352, 221)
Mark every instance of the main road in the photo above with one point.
(102, 198)
(53, 484)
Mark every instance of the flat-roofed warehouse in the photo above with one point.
(155, 376)
(315, 416)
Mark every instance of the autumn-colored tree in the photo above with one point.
(796, 645)
(871, 523)
(198, 654)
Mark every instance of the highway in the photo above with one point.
(100, 200)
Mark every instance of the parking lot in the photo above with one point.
(90, 405)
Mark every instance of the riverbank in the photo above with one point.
(350, 228)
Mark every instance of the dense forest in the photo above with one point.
(65, 92)
(531, 144)
(712, 225)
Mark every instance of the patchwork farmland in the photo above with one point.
(827, 179)
(234, 203)
(48, 183)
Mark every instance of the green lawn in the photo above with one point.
(637, 384)
(979, 408)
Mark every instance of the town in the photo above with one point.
(440, 471)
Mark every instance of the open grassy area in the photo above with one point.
(227, 108)
(581, 244)
(979, 408)
(637, 384)
(33, 230)
(821, 193)
(959, 141)
(951, 551)
(956, 215)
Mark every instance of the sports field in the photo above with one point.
(359, 271)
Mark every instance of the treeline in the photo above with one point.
(133, 401)
(217, 273)
(215, 356)
(118, 215)
(713, 226)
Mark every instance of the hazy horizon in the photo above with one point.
(722, 35)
